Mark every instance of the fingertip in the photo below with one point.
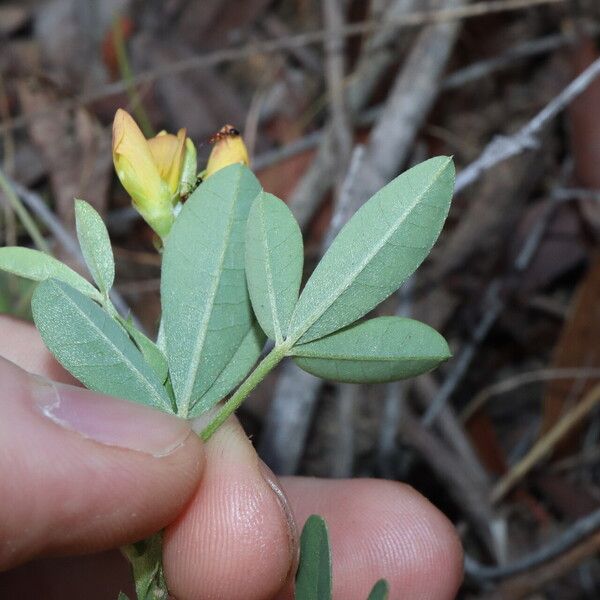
(235, 539)
(21, 344)
(81, 472)
(382, 529)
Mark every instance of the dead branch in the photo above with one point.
(36, 205)
(573, 535)
(546, 443)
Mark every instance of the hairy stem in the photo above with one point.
(267, 364)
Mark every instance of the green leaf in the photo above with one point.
(38, 266)
(92, 346)
(377, 350)
(150, 351)
(274, 258)
(313, 579)
(95, 245)
(380, 591)
(206, 308)
(382, 245)
(123, 596)
(238, 367)
(146, 561)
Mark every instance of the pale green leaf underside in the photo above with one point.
(150, 351)
(313, 578)
(380, 591)
(382, 245)
(93, 347)
(274, 258)
(377, 350)
(95, 245)
(234, 372)
(38, 266)
(206, 308)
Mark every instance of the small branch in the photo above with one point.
(36, 204)
(516, 381)
(503, 147)
(287, 43)
(334, 71)
(267, 364)
(296, 393)
(395, 395)
(449, 470)
(527, 49)
(576, 533)
(126, 73)
(530, 582)
(546, 443)
(493, 307)
(31, 227)
(288, 419)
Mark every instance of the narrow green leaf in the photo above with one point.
(150, 351)
(274, 258)
(383, 243)
(123, 596)
(38, 266)
(234, 372)
(92, 346)
(95, 245)
(313, 578)
(377, 350)
(380, 591)
(206, 307)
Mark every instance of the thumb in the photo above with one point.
(81, 472)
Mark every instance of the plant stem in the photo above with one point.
(24, 216)
(126, 72)
(267, 364)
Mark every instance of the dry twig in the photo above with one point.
(36, 205)
(546, 443)
(573, 535)
(288, 43)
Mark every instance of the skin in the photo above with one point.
(230, 524)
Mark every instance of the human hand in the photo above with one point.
(81, 473)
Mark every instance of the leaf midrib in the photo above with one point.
(368, 259)
(103, 278)
(269, 277)
(203, 330)
(119, 352)
(359, 358)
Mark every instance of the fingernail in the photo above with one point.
(109, 421)
(292, 528)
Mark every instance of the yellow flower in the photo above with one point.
(150, 170)
(168, 152)
(228, 149)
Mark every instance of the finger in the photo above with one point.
(21, 343)
(236, 539)
(237, 515)
(405, 523)
(382, 529)
(81, 472)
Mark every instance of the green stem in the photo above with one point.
(137, 106)
(24, 216)
(267, 364)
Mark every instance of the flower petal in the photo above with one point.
(168, 152)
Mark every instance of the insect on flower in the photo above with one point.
(228, 149)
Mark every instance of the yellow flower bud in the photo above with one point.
(168, 152)
(150, 170)
(228, 149)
